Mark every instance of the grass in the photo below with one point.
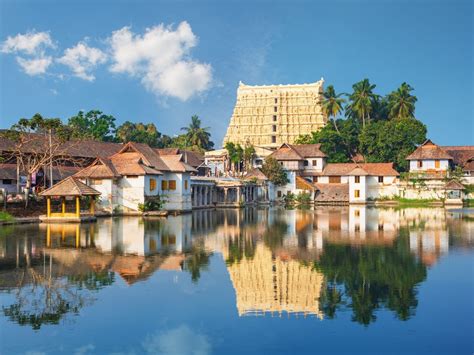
(5, 216)
(406, 202)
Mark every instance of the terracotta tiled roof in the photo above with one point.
(131, 163)
(298, 152)
(302, 184)
(62, 172)
(332, 193)
(429, 150)
(70, 187)
(8, 171)
(358, 158)
(175, 163)
(454, 185)
(462, 155)
(101, 168)
(191, 158)
(358, 171)
(375, 169)
(255, 174)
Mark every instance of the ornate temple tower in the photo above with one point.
(269, 115)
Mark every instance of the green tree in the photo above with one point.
(332, 104)
(198, 137)
(197, 259)
(138, 132)
(401, 104)
(274, 171)
(93, 125)
(362, 101)
(391, 141)
(248, 155)
(235, 153)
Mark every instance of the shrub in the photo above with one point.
(303, 198)
(151, 204)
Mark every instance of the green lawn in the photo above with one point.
(5, 216)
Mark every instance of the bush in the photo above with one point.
(303, 198)
(5, 216)
(151, 204)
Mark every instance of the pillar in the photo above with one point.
(92, 207)
(225, 195)
(63, 205)
(78, 207)
(206, 196)
(48, 234)
(48, 207)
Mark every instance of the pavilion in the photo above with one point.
(69, 187)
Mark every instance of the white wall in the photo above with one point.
(131, 192)
(319, 165)
(429, 165)
(361, 186)
(179, 199)
(106, 199)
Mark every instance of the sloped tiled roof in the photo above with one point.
(255, 173)
(298, 152)
(302, 184)
(375, 169)
(70, 187)
(175, 163)
(101, 168)
(150, 157)
(454, 185)
(191, 158)
(462, 155)
(131, 163)
(427, 151)
(8, 171)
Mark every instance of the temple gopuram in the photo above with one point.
(269, 115)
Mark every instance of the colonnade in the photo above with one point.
(207, 195)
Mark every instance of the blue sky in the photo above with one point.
(162, 62)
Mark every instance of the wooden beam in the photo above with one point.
(78, 207)
(48, 206)
(63, 205)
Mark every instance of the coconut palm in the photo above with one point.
(332, 103)
(401, 104)
(362, 101)
(198, 137)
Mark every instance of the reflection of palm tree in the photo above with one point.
(197, 260)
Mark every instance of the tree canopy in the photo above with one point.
(197, 137)
(93, 125)
(274, 171)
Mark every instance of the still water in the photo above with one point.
(345, 279)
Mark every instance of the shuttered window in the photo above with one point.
(185, 184)
(172, 184)
(357, 179)
(152, 184)
(164, 185)
(356, 193)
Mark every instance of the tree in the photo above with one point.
(332, 104)
(248, 155)
(362, 101)
(391, 141)
(198, 137)
(36, 143)
(93, 125)
(138, 132)
(274, 171)
(235, 154)
(401, 104)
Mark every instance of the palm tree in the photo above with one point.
(197, 136)
(332, 104)
(362, 101)
(401, 104)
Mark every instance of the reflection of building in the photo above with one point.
(266, 283)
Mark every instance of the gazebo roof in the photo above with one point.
(454, 185)
(70, 187)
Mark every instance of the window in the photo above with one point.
(164, 185)
(437, 164)
(279, 194)
(7, 181)
(274, 118)
(357, 179)
(274, 128)
(381, 179)
(172, 184)
(96, 182)
(315, 162)
(420, 163)
(274, 139)
(334, 179)
(356, 193)
(152, 184)
(305, 163)
(315, 179)
(357, 213)
(185, 184)
(275, 109)
(276, 100)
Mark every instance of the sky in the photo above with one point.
(164, 61)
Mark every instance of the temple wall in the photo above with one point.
(275, 114)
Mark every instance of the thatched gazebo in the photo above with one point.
(69, 187)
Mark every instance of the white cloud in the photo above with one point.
(180, 340)
(82, 59)
(35, 66)
(160, 57)
(32, 43)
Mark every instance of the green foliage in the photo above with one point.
(5, 216)
(362, 101)
(332, 102)
(456, 174)
(93, 125)
(274, 171)
(197, 137)
(289, 198)
(138, 132)
(247, 155)
(303, 198)
(400, 103)
(39, 125)
(235, 153)
(239, 248)
(152, 204)
(197, 259)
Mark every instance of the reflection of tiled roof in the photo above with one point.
(375, 169)
(332, 193)
(70, 187)
(427, 151)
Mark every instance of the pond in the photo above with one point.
(235, 281)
